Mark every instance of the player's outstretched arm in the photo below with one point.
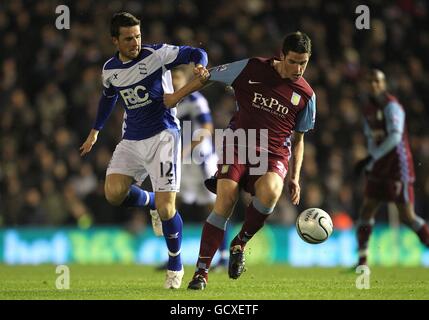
(105, 108)
(170, 100)
(297, 157)
(89, 142)
(226, 74)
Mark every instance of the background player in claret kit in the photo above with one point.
(389, 166)
(150, 145)
(271, 94)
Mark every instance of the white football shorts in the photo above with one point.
(158, 156)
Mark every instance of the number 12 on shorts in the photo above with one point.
(166, 169)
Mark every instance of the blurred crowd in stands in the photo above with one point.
(50, 86)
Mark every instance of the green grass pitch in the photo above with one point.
(259, 282)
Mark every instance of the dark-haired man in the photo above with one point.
(389, 166)
(273, 99)
(140, 76)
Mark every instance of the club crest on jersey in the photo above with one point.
(295, 98)
(142, 68)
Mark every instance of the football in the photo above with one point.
(314, 225)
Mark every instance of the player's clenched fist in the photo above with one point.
(199, 69)
(201, 73)
(201, 77)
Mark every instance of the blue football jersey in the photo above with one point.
(140, 84)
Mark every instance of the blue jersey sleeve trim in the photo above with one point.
(187, 55)
(307, 116)
(227, 73)
(105, 107)
(199, 56)
(109, 92)
(204, 118)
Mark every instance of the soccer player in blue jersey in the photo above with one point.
(139, 75)
(389, 166)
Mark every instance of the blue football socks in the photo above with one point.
(173, 236)
(139, 198)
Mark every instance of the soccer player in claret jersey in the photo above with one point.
(271, 95)
(389, 165)
(139, 76)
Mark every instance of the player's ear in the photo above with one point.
(115, 41)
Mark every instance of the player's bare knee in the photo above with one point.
(226, 197)
(406, 214)
(269, 198)
(269, 195)
(115, 194)
(268, 189)
(166, 210)
(165, 204)
(115, 199)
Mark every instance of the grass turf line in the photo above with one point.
(259, 282)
